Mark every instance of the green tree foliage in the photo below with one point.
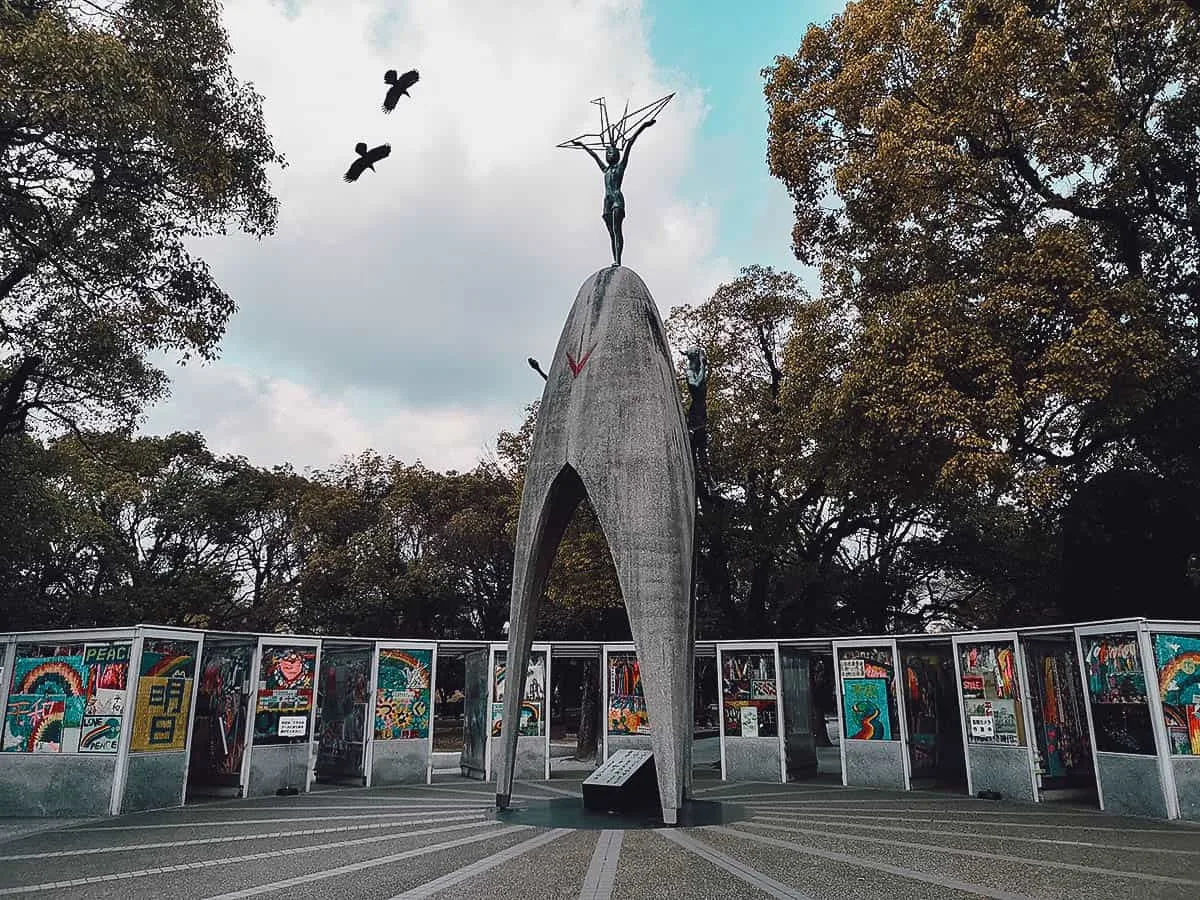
(787, 541)
(1003, 200)
(32, 522)
(390, 548)
(105, 529)
(123, 133)
(119, 530)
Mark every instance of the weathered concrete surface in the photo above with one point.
(1002, 769)
(752, 759)
(154, 781)
(399, 762)
(878, 764)
(1187, 786)
(1131, 785)
(274, 766)
(45, 784)
(628, 742)
(530, 759)
(611, 427)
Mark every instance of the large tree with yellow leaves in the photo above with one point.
(1003, 200)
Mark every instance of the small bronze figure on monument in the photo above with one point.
(697, 414)
(616, 147)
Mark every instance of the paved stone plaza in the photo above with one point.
(811, 840)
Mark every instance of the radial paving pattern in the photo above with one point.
(815, 841)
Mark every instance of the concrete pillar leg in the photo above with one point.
(651, 546)
(538, 537)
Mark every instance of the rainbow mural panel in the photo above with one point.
(61, 694)
(402, 702)
(63, 677)
(100, 734)
(166, 658)
(1177, 658)
(34, 723)
(47, 700)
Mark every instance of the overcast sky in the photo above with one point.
(396, 313)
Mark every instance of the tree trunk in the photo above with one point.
(758, 509)
(589, 712)
(713, 562)
(756, 603)
(12, 409)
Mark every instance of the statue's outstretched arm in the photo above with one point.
(629, 146)
(591, 153)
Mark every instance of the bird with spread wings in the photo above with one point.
(366, 159)
(399, 87)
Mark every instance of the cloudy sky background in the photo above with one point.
(396, 313)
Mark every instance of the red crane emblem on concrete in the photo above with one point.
(577, 367)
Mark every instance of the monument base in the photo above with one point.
(568, 812)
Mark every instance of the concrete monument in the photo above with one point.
(611, 427)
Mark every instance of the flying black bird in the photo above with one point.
(533, 364)
(399, 87)
(366, 159)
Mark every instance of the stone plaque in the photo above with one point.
(618, 768)
(626, 781)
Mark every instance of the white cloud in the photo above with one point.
(272, 420)
(425, 285)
